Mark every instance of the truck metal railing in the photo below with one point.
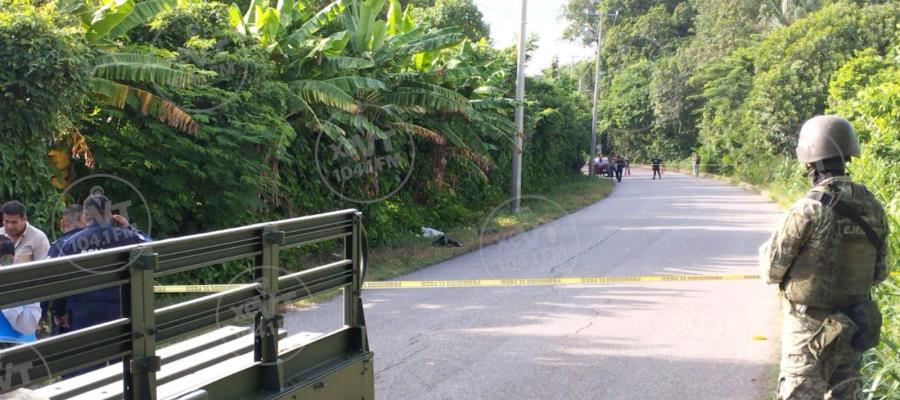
(133, 338)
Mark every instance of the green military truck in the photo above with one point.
(213, 360)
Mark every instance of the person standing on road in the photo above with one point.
(620, 166)
(656, 165)
(695, 165)
(828, 252)
(611, 171)
(627, 165)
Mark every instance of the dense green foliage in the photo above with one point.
(216, 110)
(43, 78)
(734, 80)
(867, 90)
(462, 14)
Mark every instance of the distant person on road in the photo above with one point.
(826, 255)
(656, 165)
(695, 165)
(627, 165)
(620, 166)
(17, 324)
(101, 230)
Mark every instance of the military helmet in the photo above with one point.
(824, 137)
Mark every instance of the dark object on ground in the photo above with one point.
(444, 241)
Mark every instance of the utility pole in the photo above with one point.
(593, 151)
(520, 120)
(580, 78)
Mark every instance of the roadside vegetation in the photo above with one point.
(215, 111)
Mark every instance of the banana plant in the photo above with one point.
(289, 32)
(371, 76)
(276, 28)
(426, 75)
(115, 74)
(394, 40)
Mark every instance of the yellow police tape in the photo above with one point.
(194, 288)
(456, 283)
(549, 281)
(484, 282)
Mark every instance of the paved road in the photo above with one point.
(666, 340)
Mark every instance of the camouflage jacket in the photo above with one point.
(811, 233)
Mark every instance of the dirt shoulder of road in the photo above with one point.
(775, 197)
(414, 253)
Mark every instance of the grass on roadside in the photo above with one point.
(412, 252)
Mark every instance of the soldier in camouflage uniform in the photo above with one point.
(828, 251)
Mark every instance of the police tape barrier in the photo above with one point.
(599, 280)
(194, 288)
(550, 281)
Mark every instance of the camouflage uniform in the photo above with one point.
(807, 243)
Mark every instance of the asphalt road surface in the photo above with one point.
(658, 340)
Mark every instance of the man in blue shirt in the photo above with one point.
(101, 231)
(70, 223)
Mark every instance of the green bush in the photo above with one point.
(252, 157)
(43, 75)
(43, 72)
(867, 90)
(788, 74)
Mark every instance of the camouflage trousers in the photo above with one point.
(817, 360)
